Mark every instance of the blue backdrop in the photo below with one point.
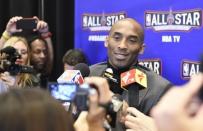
(173, 32)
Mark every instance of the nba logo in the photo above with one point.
(185, 70)
(78, 78)
(148, 20)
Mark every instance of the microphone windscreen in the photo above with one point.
(84, 69)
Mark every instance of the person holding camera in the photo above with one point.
(41, 47)
(181, 108)
(11, 77)
(36, 110)
(95, 118)
(39, 38)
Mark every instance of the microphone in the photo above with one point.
(108, 73)
(75, 76)
(132, 80)
(113, 79)
(133, 76)
(71, 76)
(83, 68)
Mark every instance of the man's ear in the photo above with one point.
(106, 42)
(142, 48)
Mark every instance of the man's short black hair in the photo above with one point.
(74, 56)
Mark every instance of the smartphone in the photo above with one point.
(26, 24)
(64, 92)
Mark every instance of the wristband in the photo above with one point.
(114, 105)
(46, 35)
(6, 35)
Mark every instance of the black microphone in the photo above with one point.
(113, 79)
(108, 74)
(83, 68)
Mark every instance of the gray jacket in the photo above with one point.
(149, 96)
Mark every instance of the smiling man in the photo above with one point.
(124, 44)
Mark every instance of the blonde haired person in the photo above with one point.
(20, 80)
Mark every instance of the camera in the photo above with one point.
(77, 97)
(73, 93)
(7, 62)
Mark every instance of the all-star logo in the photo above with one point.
(173, 20)
(189, 68)
(101, 22)
(153, 64)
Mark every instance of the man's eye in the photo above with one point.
(117, 37)
(37, 52)
(133, 40)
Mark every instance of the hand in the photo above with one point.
(103, 88)
(94, 118)
(11, 25)
(137, 121)
(103, 95)
(174, 113)
(81, 123)
(42, 26)
(123, 112)
(96, 114)
(8, 79)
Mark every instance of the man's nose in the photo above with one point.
(122, 44)
(42, 55)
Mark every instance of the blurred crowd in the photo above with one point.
(103, 102)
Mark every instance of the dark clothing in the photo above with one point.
(141, 98)
(43, 80)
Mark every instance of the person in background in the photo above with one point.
(73, 57)
(124, 44)
(40, 43)
(40, 58)
(181, 108)
(33, 110)
(19, 80)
